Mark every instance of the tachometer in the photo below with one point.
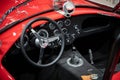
(43, 33)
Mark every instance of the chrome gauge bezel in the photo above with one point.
(67, 22)
(44, 32)
(56, 32)
(60, 23)
(51, 26)
(65, 30)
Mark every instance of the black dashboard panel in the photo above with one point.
(82, 25)
(77, 26)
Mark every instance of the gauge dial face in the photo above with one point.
(67, 22)
(56, 32)
(60, 23)
(65, 31)
(51, 26)
(43, 33)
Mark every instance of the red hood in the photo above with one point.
(32, 7)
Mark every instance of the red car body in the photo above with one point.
(8, 38)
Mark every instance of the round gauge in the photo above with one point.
(60, 23)
(43, 33)
(67, 22)
(56, 32)
(51, 26)
(65, 31)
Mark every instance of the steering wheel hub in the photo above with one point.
(42, 43)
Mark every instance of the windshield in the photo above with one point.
(108, 3)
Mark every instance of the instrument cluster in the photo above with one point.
(74, 27)
(70, 30)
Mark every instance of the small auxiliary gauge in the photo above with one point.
(67, 22)
(51, 26)
(65, 31)
(60, 23)
(56, 32)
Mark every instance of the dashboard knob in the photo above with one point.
(77, 29)
(73, 36)
(68, 40)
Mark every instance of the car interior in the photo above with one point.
(63, 49)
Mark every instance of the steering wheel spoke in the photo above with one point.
(41, 55)
(35, 34)
(53, 38)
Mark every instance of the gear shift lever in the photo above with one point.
(75, 60)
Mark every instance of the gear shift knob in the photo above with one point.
(75, 60)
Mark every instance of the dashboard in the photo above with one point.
(73, 27)
(79, 26)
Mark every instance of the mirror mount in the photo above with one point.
(64, 7)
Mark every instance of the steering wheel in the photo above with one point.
(42, 42)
